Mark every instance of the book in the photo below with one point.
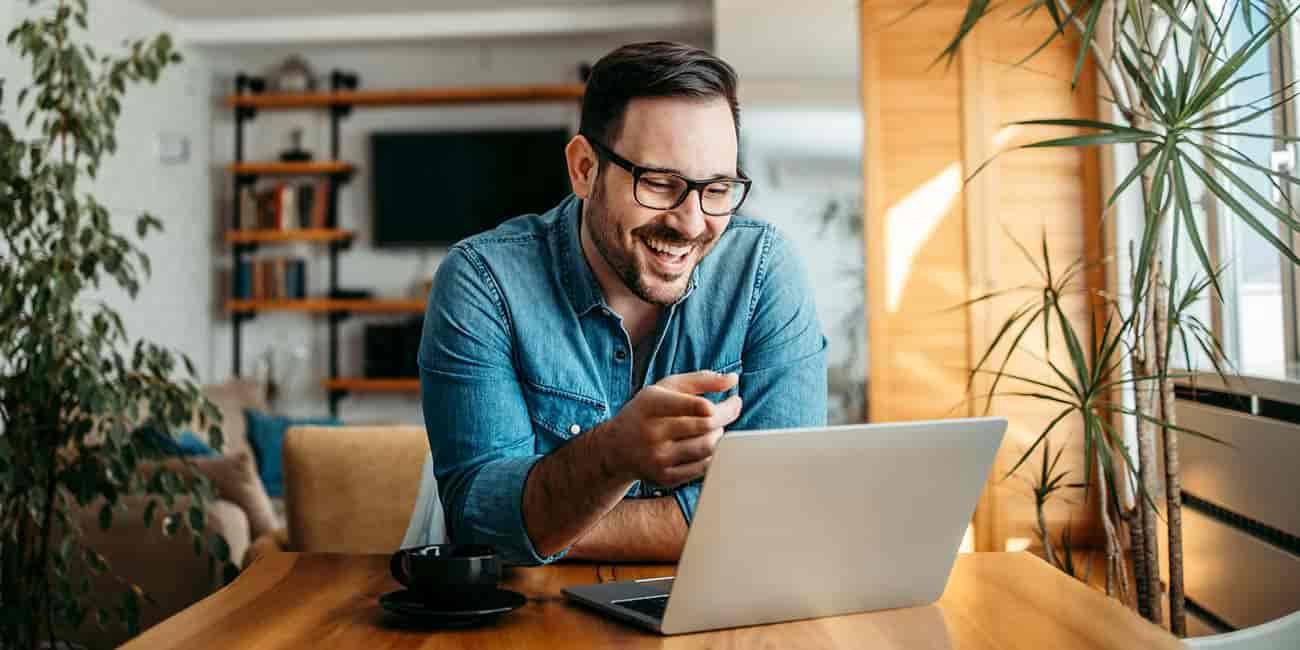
(295, 282)
(266, 202)
(301, 286)
(243, 280)
(248, 210)
(320, 216)
(306, 195)
(259, 279)
(286, 212)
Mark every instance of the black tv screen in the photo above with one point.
(436, 188)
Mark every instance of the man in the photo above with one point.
(579, 367)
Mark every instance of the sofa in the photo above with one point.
(167, 568)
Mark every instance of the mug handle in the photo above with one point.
(397, 567)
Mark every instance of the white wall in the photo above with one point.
(386, 272)
(801, 142)
(174, 307)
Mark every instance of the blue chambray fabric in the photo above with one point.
(520, 354)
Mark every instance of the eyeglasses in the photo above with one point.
(664, 190)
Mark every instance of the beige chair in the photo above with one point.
(348, 489)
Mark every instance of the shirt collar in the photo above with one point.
(583, 289)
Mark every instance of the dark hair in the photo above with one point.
(652, 69)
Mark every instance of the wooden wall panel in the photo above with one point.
(933, 242)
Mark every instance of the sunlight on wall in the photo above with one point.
(911, 220)
(1017, 544)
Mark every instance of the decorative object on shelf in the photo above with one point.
(279, 368)
(249, 85)
(292, 75)
(295, 152)
(344, 80)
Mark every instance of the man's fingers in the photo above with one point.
(675, 476)
(726, 412)
(721, 414)
(668, 403)
(701, 381)
(690, 450)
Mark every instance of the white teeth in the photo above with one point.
(664, 247)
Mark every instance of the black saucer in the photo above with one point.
(482, 608)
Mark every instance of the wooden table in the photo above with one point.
(317, 601)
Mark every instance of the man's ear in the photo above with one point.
(582, 162)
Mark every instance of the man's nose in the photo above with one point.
(689, 218)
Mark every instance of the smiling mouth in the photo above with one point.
(670, 255)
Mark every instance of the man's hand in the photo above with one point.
(667, 433)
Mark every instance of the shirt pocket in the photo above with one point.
(558, 415)
(737, 367)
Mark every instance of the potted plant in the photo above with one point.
(1168, 69)
(75, 389)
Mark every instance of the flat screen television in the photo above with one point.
(436, 188)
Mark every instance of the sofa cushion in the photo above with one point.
(186, 444)
(234, 479)
(231, 398)
(266, 435)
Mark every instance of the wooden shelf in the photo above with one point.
(412, 96)
(292, 235)
(370, 385)
(326, 305)
(292, 168)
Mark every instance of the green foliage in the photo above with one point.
(75, 390)
(1168, 68)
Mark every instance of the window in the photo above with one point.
(1257, 320)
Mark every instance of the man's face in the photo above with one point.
(654, 251)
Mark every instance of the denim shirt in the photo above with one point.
(520, 354)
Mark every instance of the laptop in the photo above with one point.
(805, 523)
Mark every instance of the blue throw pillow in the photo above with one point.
(266, 436)
(187, 444)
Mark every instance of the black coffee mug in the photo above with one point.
(447, 572)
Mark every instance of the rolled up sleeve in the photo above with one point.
(474, 410)
(783, 364)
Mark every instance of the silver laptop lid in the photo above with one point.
(803, 523)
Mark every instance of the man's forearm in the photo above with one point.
(568, 492)
(636, 530)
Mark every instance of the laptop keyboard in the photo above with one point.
(653, 606)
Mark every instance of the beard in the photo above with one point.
(611, 241)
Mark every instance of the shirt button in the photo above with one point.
(620, 354)
(575, 429)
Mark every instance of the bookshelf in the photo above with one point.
(372, 385)
(307, 235)
(276, 168)
(341, 98)
(330, 305)
(411, 97)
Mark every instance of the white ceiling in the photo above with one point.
(245, 9)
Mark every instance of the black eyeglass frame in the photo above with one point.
(637, 171)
